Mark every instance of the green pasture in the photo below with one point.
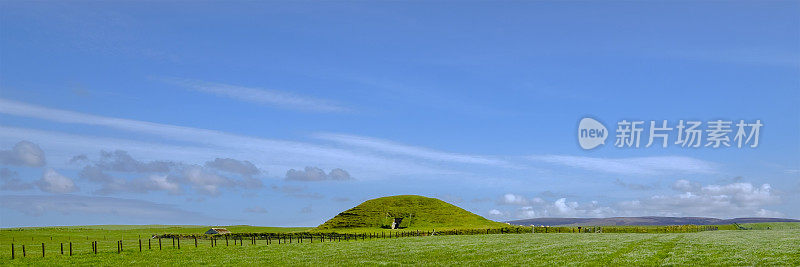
(778, 246)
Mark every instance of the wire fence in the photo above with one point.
(189, 241)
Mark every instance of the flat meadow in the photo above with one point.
(779, 246)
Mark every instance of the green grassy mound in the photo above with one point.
(414, 212)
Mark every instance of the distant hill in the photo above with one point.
(413, 212)
(651, 220)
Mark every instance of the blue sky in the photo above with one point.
(284, 114)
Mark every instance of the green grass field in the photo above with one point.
(725, 247)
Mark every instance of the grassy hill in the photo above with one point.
(417, 212)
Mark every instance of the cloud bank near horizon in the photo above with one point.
(199, 163)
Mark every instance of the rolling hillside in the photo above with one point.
(413, 212)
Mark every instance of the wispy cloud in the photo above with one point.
(212, 142)
(760, 56)
(389, 147)
(634, 186)
(259, 96)
(638, 165)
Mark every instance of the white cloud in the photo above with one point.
(314, 174)
(390, 147)
(280, 154)
(160, 182)
(633, 186)
(519, 200)
(203, 181)
(768, 213)
(692, 199)
(260, 96)
(641, 165)
(538, 207)
(242, 167)
(527, 212)
(11, 181)
(121, 161)
(53, 182)
(339, 174)
(685, 185)
(562, 208)
(23, 153)
(495, 212)
(167, 176)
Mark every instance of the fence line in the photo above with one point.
(289, 238)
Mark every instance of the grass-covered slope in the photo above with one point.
(417, 212)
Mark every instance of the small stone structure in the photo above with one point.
(396, 223)
(215, 231)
